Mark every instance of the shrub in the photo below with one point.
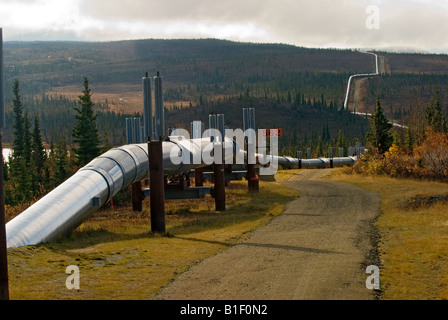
(432, 155)
(428, 161)
(395, 163)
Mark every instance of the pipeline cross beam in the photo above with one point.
(183, 194)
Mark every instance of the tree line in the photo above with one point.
(315, 122)
(416, 151)
(31, 170)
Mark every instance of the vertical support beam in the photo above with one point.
(147, 109)
(4, 287)
(129, 131)
(221, 127)
(196, 129)
(196, 133)
(212, 127)
(157, 186)
(199, 177)
(137, 196)
(217, 122)
(245, 119)
(299, 158)
(253, 181)
(137, 130)
(2, 85)
(160, 111)
(331, 156)
(220, 187)
(252, 124)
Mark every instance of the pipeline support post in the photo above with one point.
(249, 123)
(148, 131)
(199, 177)
(4, 286)
(331, 156)
(157, 186)
(219, 190)
(137, 196)
(253, 181)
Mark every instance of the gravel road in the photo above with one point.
(318, 249)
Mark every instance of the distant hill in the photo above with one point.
(58, 64)
(300, 89)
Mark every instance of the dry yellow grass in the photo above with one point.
(285, 175)
(123, 98)
(119, 258)
(120, 98)
(414, 239)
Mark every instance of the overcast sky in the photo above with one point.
(417, 24)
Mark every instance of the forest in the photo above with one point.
(209, 74)
(297, 89)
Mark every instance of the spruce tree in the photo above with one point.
(39, 154)
(21, 170)
(17, 109)
(27, 143)
(409, 140)
(380, 135)
(320, 148)
(435, 117)
(341, 141)
(85, 133)
(61, 169)
(106, 143)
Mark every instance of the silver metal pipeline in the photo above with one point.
(289, 163)
(66, 207)
(367, 75)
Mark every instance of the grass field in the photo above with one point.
(414, 236)
(119, 258)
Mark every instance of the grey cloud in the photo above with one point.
(321, 23)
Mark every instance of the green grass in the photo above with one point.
(119, 258)
(414, 238)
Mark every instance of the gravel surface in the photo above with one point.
(318, 249)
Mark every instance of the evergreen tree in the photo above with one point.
(326, 132)
(27, 144)
(50, 167)
(106, 143)
(17, 107)
(21, 170)
(409, 140)
(435, 117)
(85, 133)
(380, 135)
(320, 148)
(62, 169)
(24, 182)
(39, 154)
(341, 141)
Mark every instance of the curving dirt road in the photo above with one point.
(317, 249)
